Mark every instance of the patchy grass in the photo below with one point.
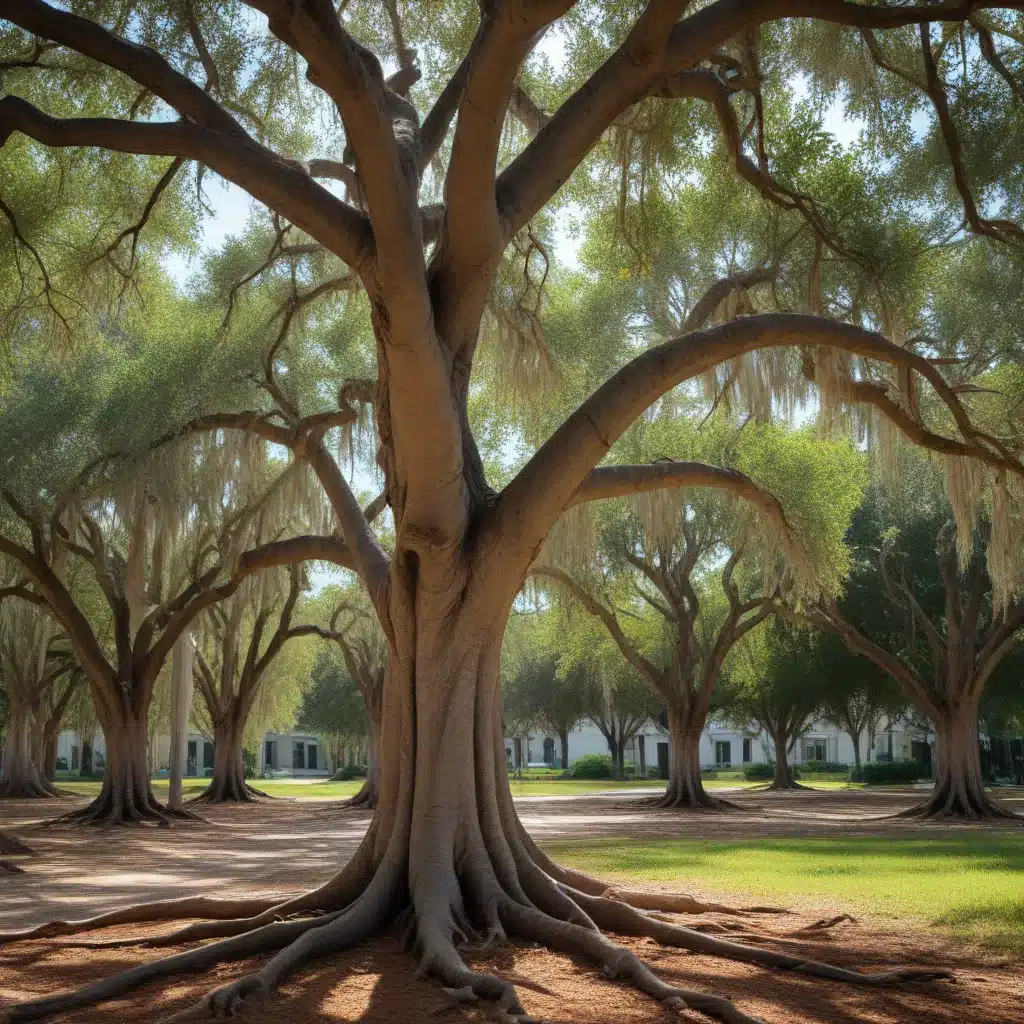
(532, 785)
(972, 885)
(300, 789)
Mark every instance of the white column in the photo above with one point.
(181, 705)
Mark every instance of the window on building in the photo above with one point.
(192, 762)
(311, 757)
(723, 752)
(74, 759)
(207, 755)
(549, 750)
(815, 750)
(747, 750)
(268, 753)
(299, 755)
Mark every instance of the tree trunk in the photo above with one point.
(228, 785)
(619, 754)
(959, 789)
(783, 772)
(563, 738)
(126, 794)
(21, 778)
(855, 736)
(370, 790)
(685, 786)
(86, 768)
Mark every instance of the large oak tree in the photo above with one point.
(445, 846)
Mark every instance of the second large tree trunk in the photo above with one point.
(370, 790)
(21, 778)
(959, 788)
(685, 786)
(783, 772)
(228, 784)
(126, 794)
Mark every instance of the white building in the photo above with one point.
(294, 754)
(723, 745)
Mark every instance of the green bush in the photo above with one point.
(759, 772)
(826, 767)
(593, 766)
(879, 773)
(250, 762)
(350, 771)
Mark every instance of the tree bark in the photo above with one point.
(181, 702)
(370, 790)
(21, 778)
(784, 778)
(563, 738)
(126, 794)
(685, 786)
(959, 788)
(228, 783)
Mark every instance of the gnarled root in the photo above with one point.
(144, 913)
(952, 802)
(677, 903)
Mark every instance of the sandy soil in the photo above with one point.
(281, 846)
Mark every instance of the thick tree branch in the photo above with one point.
(280, 184)
(140, 63)
(534, 499)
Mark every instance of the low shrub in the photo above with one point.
(758, 772)
(826, 767)
(350, 771)
(593, 766)
(880, 773)
(250, 762)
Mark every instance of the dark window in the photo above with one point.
(207, 755)
(299, 755)
(723, 752)
(747, 758)
(191, 767)
(268, 753)
(549, 751)
(311, 757)
(74, 759)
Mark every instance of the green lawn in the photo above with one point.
(534, 783)
(971, 885)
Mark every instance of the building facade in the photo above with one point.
(723, 745)
(296, 754)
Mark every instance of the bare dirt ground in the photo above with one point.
(282, 846)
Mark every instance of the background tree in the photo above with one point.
(857, 694)
(923, 607)
(777, 684)
(39, 679)
(333, 706)
(238, 649)
(540, 691)
(702, 572)
(427, 277)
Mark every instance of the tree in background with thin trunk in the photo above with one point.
(776, 682)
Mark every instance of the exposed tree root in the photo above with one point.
(29, 789)
(951, 802)
(230, 794)
(684, 801)
(10, 869)
(13, 847)
(365, 799)
(146, 913)
(254, 927)
(676, 903)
